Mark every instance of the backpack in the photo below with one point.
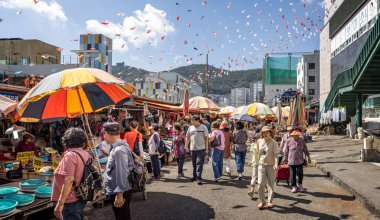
(162, 147)
(90, 186)
(136, 147)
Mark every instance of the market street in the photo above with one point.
(228, 199)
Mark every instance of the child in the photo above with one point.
(255, 165)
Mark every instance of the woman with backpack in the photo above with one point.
(240, 138)
(154, 143)
(217, 144)
(69, 172)
(179, 149)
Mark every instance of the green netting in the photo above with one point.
(281, 70)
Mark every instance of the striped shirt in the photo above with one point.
(70, 165)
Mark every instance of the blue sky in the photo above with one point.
(235, 33)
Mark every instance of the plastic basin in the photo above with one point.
(22, 199)
(8, 190)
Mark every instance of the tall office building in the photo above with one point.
(256, 90)
(308, 76)
(240, 97)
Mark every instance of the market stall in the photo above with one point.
(68, 95)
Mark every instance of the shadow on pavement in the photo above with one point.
(162, 205)
(290, 198)
(304, 212)
(329, 195)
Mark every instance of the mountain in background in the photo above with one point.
(219, 83)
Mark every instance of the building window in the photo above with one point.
(311, 66)
(311, 92)
(311, 78)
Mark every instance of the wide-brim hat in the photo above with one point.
(296, 133)
(265, 128)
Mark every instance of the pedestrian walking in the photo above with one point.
(119, 165)
(240, 138)
(217, 151)
(295, 149)
(179, 148)
(69, 173)
(197, 137)
(255, 168)
(154, 143)
(227, 146)
(267, 149)
(283, 142)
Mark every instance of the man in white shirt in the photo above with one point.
(197, 137)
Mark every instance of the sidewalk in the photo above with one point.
(339, 158)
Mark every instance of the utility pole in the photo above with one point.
(207, 75)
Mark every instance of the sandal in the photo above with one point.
(261, 206)
(270, 205)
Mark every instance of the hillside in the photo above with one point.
(221, 85)
(218, 84)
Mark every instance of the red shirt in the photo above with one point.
(130, 137)
(70, 165)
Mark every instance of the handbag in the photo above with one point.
(216, 142)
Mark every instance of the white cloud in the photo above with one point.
(148, 26)
(53, 11)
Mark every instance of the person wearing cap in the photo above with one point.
(227, 146)
(218, 151)
(294, 151)
(154, 143)
(197, 138)
(283, 141)
(119, 165)
(267, 149)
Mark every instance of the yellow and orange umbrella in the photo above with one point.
(73, 92)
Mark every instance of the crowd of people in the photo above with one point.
(219, 140)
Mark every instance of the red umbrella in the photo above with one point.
(186, 103)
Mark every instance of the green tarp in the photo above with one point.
(281, 69)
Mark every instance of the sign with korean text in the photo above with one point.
(24, 157)
(37, 163)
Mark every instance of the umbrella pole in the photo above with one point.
(85, 120)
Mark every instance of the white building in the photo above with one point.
(256, 89)
(308, 76)
(167, 86)
(240, 96)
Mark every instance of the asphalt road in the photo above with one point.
(169, 198)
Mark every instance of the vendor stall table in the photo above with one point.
(22, 213)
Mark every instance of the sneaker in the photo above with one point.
(193, 179)
(216, 180)
(294, 189)
(199, 182)
(240, 176)
(182, 174)
(179, 177)
(300, 188)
